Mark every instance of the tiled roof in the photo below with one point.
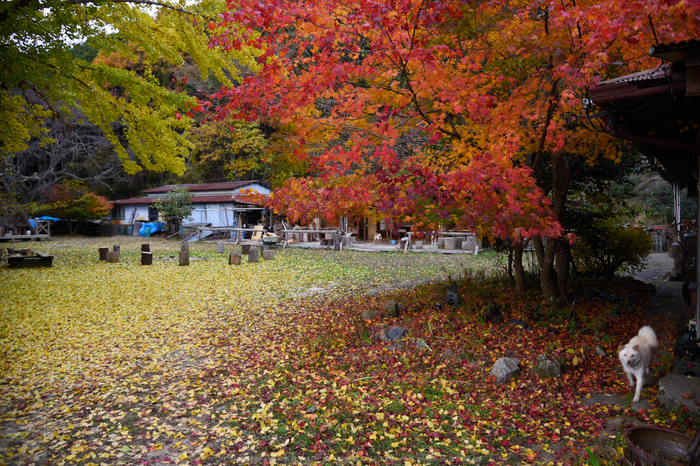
(675, 51)
(661, 71)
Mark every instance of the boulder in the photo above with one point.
(392, 308)
(504, 369)
(395, 333)
(600, 351)
(679, 390)
(369, 315)
(547, 368)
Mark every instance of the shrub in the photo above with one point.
(609, 245)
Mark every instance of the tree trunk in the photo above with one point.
(518, 266)
(562, 263)
(549, 280)
(511, 279)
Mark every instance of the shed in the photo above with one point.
(659, 109)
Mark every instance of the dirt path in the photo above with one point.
(668, 302)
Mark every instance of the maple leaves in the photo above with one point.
(118, 363)
(373, 89)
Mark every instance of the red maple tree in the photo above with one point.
(459, 113)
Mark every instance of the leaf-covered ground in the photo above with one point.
(273, 363)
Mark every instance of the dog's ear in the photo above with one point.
(620, 347)
(635, 347)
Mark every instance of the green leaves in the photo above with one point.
(41, 78)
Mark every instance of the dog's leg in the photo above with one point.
(638, 392)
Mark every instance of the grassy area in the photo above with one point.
(273, 362)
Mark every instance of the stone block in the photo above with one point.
(441, 243)
(268, 255)
(449, 244)
(234, 259)
(418, 245)
(112, 257)
(220, 247)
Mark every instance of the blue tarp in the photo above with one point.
(147, 229)
(51, 219)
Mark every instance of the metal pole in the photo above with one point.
(677, 208)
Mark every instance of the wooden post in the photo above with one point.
(245, 248)
(253, 255)
(112, 257)
(220, 247)
(268, 255)
(234, 259)
(336, 242)
(184, 258)
(146, 258)
(185, 247)
(103, 253)
(145, 248)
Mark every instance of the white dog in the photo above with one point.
(636, 356)
(378, 238)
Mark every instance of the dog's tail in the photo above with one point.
(648, 334)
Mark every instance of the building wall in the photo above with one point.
(129, 213)
(214, 213)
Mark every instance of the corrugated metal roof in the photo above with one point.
(135, 200)
(194, 199)
(203, 187)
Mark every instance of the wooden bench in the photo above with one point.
(36, 260)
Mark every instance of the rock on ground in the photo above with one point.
(504, 369)
(678, 390)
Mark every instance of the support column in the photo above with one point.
(697, 253)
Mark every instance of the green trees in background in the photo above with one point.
(45, 76)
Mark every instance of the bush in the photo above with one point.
(609, 245)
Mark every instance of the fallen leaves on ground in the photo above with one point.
(272, 363)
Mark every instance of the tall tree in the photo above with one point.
(444, 112)
(42, 77)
